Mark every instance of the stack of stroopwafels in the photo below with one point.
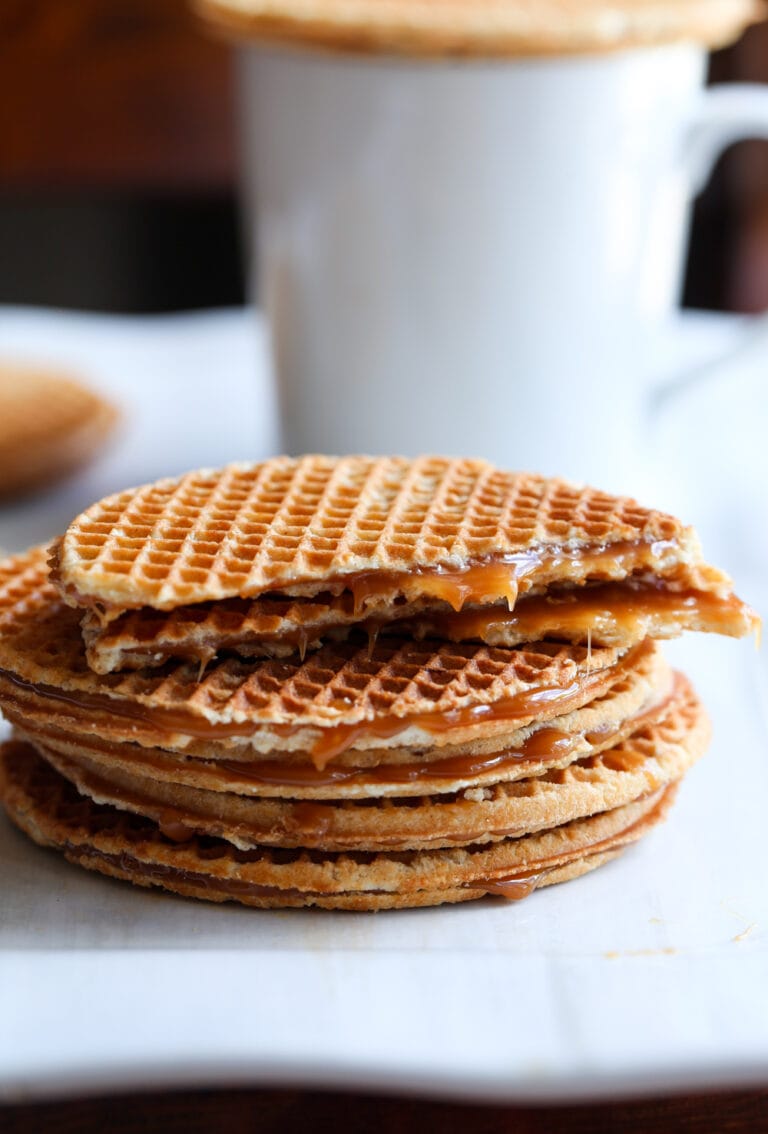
(356, 683)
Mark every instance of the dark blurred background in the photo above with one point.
(118, 165)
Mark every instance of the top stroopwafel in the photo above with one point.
(481, 27)
(50, 425)
(319, 524)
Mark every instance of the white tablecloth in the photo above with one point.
(652, 972)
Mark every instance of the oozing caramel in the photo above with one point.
(503, 576)
(547, 744)
(510, 710)
(513, 887)
(482, 582)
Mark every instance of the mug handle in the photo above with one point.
(724, 114)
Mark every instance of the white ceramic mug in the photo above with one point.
(477, 257)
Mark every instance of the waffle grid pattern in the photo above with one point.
(265, 627)
(249, 528)
(24, 585)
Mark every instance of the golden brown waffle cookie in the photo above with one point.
(638, 696)
(46, 806)
(50, 425)
(382, 528)
(655, 754)
(489, 28)
(400, 692)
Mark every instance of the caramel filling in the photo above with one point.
(505, 576)
(162, 874)
(513, 887)
(547, 744)
(547, 700)
(484, 582)
(524, 706)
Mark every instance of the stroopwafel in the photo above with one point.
(479, 28)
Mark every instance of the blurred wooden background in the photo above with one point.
(117, 157)
(118, 165)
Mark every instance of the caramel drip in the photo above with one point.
(171, 829)
(312, 818)
(514, 887)
(485, 582)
